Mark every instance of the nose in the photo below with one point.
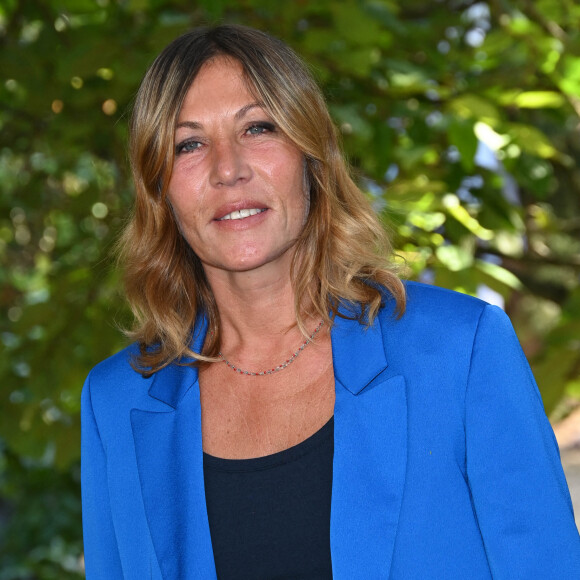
(228, 164)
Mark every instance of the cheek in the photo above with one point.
(176, 217)
(186, 201)
(176, 210)
(185, 216)
(302, 195)
(292, 171)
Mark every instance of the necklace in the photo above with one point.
(280, 367)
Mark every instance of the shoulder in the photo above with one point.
(433, 306)
(430, 307)
(115, 378)
(442, 323)
(426, 299)
(117, 365)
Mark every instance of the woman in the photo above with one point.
(402, 437)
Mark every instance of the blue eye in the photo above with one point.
(260, 128)
(187, 147)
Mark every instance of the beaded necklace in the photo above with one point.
(280, 367)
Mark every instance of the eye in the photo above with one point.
(187, 147)
(260, 128)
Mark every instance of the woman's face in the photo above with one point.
(237, 187)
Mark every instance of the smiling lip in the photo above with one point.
(239, 210)
(242, 213)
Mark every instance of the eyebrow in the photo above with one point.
(239, 115)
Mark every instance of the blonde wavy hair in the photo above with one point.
(343, 255)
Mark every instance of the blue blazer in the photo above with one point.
(445, 466)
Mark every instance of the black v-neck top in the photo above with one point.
(269, 517)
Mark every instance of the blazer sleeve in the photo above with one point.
(519, 491)
(100, 547)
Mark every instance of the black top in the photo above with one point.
(269, 517)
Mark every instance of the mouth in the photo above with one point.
(241, 214)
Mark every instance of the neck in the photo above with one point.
(254, 307)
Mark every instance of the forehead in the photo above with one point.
(220, 82)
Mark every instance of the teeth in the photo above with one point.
(243, 213)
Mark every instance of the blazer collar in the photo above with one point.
(171, 383)
(358, 352)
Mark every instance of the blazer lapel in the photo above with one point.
(169, 453)
(370, 453)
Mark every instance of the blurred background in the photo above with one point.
(461, 119)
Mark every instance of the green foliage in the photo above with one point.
(41, 507)
(460, 118)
